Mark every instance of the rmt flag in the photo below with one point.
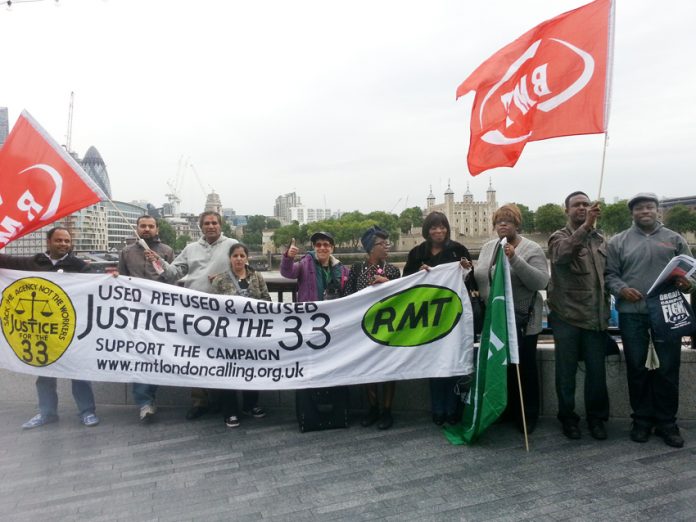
(39, 181)
(552, 81)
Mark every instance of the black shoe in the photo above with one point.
(571, 430)
(438, 419)
(597, 429)
(671, 435)
(371, 417)
(196, 412)
(386, 421)
(640, 433)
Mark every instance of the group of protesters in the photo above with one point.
(584, 270)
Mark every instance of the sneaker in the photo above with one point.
(640, 433)
(671, 435)
(39, 420)
(232, 421)
(90, 420)
(147, 412)
(257, 412)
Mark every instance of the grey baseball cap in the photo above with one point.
(642, 196)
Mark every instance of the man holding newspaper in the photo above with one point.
(635, 259)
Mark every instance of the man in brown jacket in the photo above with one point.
(579, 314)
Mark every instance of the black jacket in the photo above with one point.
(42, 263)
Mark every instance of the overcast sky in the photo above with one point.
(349, 104)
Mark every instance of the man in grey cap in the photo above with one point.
(635, 258)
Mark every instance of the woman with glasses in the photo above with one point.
(375, 270)
(320, 276)
(529, 274)
(438, 249)
(244, 281)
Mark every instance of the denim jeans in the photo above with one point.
(571, 344)
(48, 397)
(654, 394)
(443, 400)
(144, 394)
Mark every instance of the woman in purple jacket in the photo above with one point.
(320, 276)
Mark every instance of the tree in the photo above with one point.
(615, 218)
(272, 223)
(681, 219)
(181, 242)
(527, 218)
(255, 224)
(284, 235)
(387, 221)
(167, 234)
(549, 218)
(227, 229)
(410, 217)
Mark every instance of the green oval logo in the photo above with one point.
(419, 315)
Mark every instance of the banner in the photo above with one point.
(552, 81)
(104, 328)
(40, 182)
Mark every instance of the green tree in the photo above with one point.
(615, 217)
(681, 219)
(272, 223)
(167, 234)
(387, 221)
(549, 218)
(527, 218)
(410, 217)
(255, 224)
(283, 235)
(181, 242)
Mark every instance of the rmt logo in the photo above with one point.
(532, 83)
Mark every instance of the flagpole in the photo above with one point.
(604, 155)
(524, 419)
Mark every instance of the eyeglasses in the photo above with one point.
(322, 244)
(385, 244)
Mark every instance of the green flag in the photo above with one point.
(488, 396)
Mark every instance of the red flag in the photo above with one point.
(39, 181)
(552, 81)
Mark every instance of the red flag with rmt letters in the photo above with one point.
(39, 181)
(552, 81)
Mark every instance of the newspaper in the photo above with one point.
(682, 265)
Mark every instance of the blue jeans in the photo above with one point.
(48, 398)
(571, 344)
(654, 394)
(144, 393)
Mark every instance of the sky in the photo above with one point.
(349, 104)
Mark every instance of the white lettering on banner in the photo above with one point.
(9, 228)
(27, 203)
(101, 328)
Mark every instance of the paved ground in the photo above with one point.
(266, 469)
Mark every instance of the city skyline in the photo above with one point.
(353, 112)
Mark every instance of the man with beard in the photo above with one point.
(134, 262)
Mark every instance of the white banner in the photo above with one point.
(100, 328)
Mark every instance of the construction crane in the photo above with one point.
(200, 182)
(174, 188)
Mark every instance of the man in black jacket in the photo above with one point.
(58, 257)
